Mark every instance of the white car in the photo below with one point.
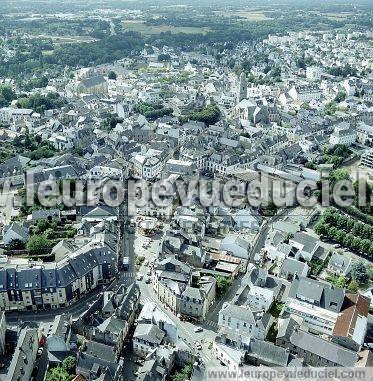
(139, 277)
(198, 345)
(146, 262)
(198, 329)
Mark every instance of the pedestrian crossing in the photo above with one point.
(148, 300)
(129, 274)
(211, 324)
(206, 358)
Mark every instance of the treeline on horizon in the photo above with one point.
(38, 6)
(224, 33)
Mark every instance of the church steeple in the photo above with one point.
(242, 90)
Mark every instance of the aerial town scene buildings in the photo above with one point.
(159, 106)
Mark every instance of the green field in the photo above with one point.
(249, 15)
(139, 26)
(337, 16)
(252, 16)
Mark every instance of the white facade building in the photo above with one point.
(313, 73)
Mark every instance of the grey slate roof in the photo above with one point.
(238, 312)
(19, 229)
(193, 293)
(48, 278)
(309, 243)
(65, 275)
(339, 261)
(24, 352)
(325, 295)
(292, 266)
(129, 301)
(98, 358)
(29, 279)
(45, 214)
(323, 348)
(149, 333)
(14, 165)
(93, 81)
(267, 352)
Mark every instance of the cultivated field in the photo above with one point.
(139, 26)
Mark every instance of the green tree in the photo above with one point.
(341, 96)
(16, 244)
(341, 282)
(320, 228)
(69, 364)
(353, 286)
(112, 75)
(339, 174)
(271, 209)
(58, 374)
(359, 272)
(184, 374)
(222, 284)
(7, 95)
(50, 234)
(42, 225)
(164, 57)
(38, 244)
(209, 115)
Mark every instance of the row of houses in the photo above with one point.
(30, 285)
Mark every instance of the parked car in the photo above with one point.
(198, 345)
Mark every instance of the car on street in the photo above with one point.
(198, 345)
(198, 329)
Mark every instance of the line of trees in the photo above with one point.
(346, 230)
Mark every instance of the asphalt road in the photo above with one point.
(6, 206)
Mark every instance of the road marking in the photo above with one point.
(211, 323)
(148, 300)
